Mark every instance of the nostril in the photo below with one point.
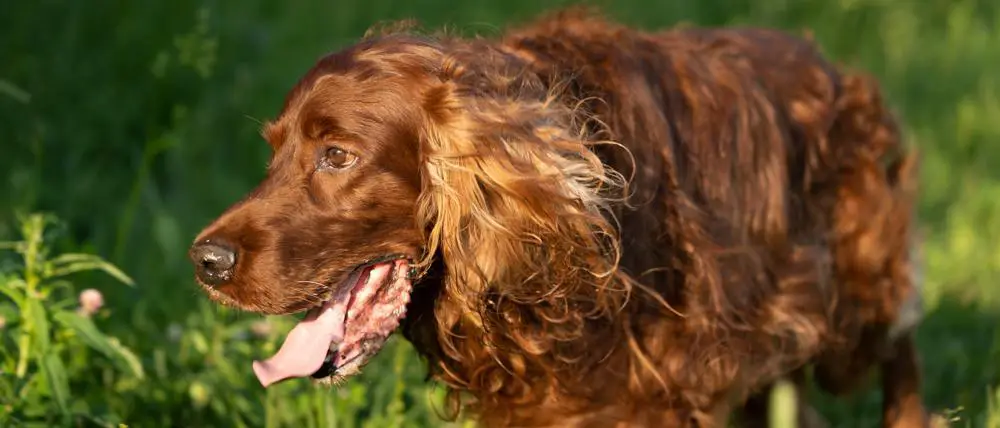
(213, 262)
(217, 257)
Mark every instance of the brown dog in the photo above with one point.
(585, 224)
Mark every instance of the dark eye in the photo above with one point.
(337, 158)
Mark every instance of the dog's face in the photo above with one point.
(332, 226)
(395, 155)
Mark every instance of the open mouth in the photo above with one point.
(337, 338)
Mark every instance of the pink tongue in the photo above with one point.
(307, 344)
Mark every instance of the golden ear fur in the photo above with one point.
(515, 203)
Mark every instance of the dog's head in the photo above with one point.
(400, 152)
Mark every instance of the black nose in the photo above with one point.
(213, 262)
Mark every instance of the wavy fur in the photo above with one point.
(622, 227)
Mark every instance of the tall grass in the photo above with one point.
(136, 123)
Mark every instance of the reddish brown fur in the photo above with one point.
(765, 226)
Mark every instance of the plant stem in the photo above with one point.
(33, 238)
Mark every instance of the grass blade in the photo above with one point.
(15, 92)
(782, 406)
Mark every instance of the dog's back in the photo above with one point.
(757, 164)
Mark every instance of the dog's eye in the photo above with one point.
(337, 158)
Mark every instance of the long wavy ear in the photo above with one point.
(515, 204)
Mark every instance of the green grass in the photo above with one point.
(136, 123)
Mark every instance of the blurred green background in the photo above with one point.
(135, 122)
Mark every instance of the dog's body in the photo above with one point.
(766, 226)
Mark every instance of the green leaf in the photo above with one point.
(11, 245)
(55, 375)
(199, 342)
(129, 359)
(69, 263)
(10, 289)
(38, 323)
(90, 335)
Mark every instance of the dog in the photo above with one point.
(580, 224)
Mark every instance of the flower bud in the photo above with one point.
(90, 301)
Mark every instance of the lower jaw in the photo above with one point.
(348, 366)
(338, 367)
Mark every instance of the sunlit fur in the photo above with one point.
(615, 226)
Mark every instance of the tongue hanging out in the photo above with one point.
(306, 345)
(342, 331)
